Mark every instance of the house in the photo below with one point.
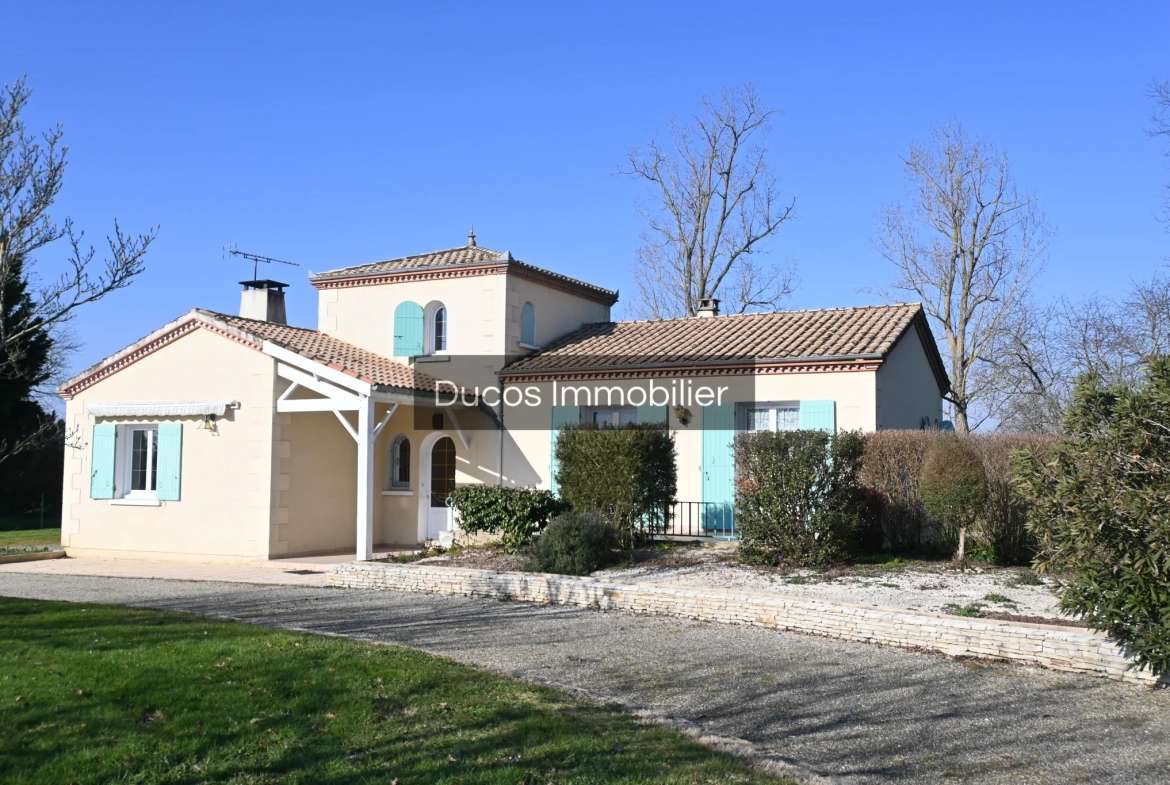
(223, 437)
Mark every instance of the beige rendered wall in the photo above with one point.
(906, 387)
(558, 313)
(225, 503)
(527, 452)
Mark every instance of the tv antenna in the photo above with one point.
(256, 259)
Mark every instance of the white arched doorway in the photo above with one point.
(436, 458)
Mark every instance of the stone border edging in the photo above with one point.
(1060, 648)
(13, 558)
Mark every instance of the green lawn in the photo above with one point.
(97, 693)
(30, 537)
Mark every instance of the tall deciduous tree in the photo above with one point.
(1160, 93)
(714, 201)
(32, 171)
(967, 244)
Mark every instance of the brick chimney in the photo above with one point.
(263, 301)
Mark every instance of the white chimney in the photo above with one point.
(263, 301)
(708, 307)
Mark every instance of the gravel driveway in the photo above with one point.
(850, 713)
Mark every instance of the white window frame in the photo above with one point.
(746, 424)
(429, 314)
(124, 465)
(610, 416)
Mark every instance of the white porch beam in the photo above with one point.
(459, 429)
(316, 405)
(365, 481)
(349, 427)
(385, 419)
(313, 382)
(288, 391)
(317, 369)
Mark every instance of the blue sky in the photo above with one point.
(341, 133)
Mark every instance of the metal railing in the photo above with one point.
(711, 520)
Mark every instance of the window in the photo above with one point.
(437, 329)
(440, 330)
(770, 417)
(399, 464)
(528, 325)
(143, 462)
(612, 418)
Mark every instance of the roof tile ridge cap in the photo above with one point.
(408, 256)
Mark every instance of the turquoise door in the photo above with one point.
(719, 467)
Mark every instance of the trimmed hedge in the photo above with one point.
(517, 513)
(892, 466)
(1101, 511)
(798, 498)
(575, 544)
(627, 474)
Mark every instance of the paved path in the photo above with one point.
(849, 712)
(296, 575)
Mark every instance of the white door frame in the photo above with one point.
(424, 480)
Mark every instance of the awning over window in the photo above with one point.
(170, 409)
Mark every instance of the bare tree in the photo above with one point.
(714, 201)
(32, 170)
(1160, 94)
(1046, 349)
(967, 244)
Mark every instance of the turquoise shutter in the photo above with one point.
(528, 324)
(408, 329)
(561, 416)
(652, 414)
(719, 467)
(101, 478)
(170, 461)
(818, 416)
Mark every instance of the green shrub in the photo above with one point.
(798, 499)
(575, 544)
(1101, 511)
(627, 474)
(954, 485)
(516, 513)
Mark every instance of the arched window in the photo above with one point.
(399, 464)
(440, 344)
(528, 325)
(437, 328)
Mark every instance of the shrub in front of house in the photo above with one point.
(517, 514)
(628, 474)
(954, 485)
(1100, 509)
(575, 543)
(798, 496)
(893, 467)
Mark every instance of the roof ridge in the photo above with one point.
(409, 256)
(222, 315)
(765, 313)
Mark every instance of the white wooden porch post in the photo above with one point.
(365, 479)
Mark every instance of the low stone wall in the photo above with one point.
(1060, 648)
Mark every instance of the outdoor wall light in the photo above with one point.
(683, 414)
(208, 422)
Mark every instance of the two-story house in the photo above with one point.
(239, 437)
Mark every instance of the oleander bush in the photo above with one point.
(799, 499)
(954, 485)
(575, 543)
(1100, 511)
(628, 474)
(518, 514)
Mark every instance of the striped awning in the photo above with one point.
(164, 409)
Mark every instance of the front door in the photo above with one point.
(441, 485)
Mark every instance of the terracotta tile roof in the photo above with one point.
(329, 351)
(465, 256)
(784, 336)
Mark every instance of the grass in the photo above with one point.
(30, 537)
(1029, 579)
(999, 598)
(96, 694)
(972, 609)
(20, 550)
